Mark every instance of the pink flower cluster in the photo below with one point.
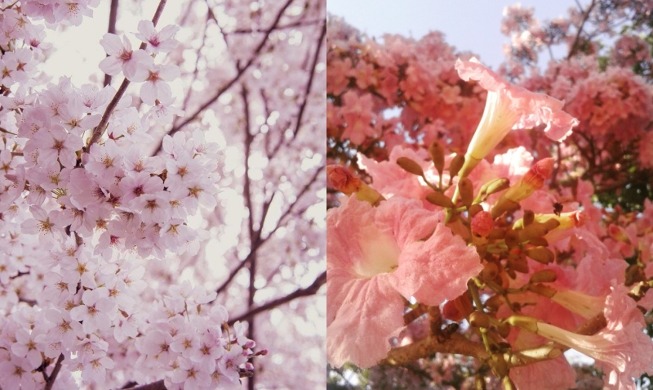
(131, 199)
(82, 223)
(402, 87)
(559, 254)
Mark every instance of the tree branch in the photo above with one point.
(309, 84)
(158, 385)
(113, 17)
(300, 292)
(49, 382)
(196, 69)
(574, 46)
(99, 129)
(240, 72)
(456, 344)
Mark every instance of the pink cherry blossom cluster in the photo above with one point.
(138, 65)
(85, 213)
(131, 199)
(56, 11)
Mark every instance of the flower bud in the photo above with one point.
(540, 254)
(437, 155)
(410, 166)
(439, 199)
(466, 191)
(544, 276)
(341, 179)
(482, 224)
(455, 165)
(459, 308)
(533, 180)
(538, 173)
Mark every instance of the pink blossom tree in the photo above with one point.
(162, 221)
(484, 222)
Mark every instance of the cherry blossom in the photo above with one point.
(122, 58)
(98, 225)
(158, 41)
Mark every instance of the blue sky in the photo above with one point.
(471, 25)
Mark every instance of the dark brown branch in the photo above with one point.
(253, 233)
(309, 84)
(301, 193)
(240, 266)
(247, 191)
(158, 385)
(456, 344)
(574, 46)
(113, 17)
(299, 23)
(240, 72)
(49, 382)
(196, 69)
(99, 129)
(301, 292)
(261, 240)
(212, 16)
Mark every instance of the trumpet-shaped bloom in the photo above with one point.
(509, 107)
(624, 351)
(377, 258)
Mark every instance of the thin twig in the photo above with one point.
(240, 72)
(301, 292)
(574, 46)
(158, 385)
(196, 69)
(309, 84)
(300, 23)
(253, 233)
(113, 17)
(53, 376)
(99, 129)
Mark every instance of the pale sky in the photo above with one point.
(469, 25)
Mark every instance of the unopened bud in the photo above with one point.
(437, 155)
(439, 199)
(341, 179)
(518, 264)
(490, 272)
(544, 276)
(535, 230)
(504, 206)
(543, 290)
(531, 181)
(541, 255)
(482, 224)
(554, 224)
(410, 166)
(494, 302)
(504, 330)
(455, 165)
(466, 191)
(494, 186)
(459, 308)
(538, 173)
